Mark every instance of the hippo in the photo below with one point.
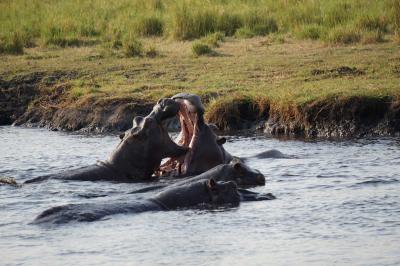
(196, 194)
(205, 148)
(235, 171)
(138, 154)
(272, 154)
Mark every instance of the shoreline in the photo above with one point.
(294, 88)
(339, 117)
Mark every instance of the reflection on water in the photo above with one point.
(338, 203)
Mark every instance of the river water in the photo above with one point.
(338, 203)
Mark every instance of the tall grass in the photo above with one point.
(132, 47)
(200, 48)
(66, 23)
(192, 23)
(149, 26)
(396, 18)
(12, 44)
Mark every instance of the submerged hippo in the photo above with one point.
(138, 154)
(235, 171)
(205, 148)
(204, 192)
(273, 154)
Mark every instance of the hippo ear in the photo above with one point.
(211, 184)
(121, 136)
(221, 141)
(136, 121)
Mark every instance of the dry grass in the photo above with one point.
(260, 70)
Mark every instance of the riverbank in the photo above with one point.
(277, 85)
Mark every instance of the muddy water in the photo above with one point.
(338, 203)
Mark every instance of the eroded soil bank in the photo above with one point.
(354, 116)
(287, 87)
(44, 100)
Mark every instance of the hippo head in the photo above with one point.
(223, 192)
(205, 148)
(144, 145)
(203, 192)
(243, 175)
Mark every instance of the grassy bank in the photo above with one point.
(26, 24)
(243, 78)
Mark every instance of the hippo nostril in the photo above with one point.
(261, 179)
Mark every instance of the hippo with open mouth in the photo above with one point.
(205, 148)
(200, 193)
(138, 154)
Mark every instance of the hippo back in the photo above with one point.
(199, 192)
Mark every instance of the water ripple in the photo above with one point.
(337, 203)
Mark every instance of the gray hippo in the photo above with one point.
(272, 154)
(205, 148)
(138, 154)
(235, 171)
(200, 193)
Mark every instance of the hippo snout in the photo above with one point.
(260, 179)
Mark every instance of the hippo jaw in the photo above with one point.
(190, 116)
(164, 109)
(143, 146)
(245, 176)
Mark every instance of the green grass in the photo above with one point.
(200, 48)
(310, 31)
(277, 53)
(262, 70)
(343, 35)
(151, 52)
(149, 26)
(77, 23)
(12, 44)
(213, 39)
(396, 18)
(132, 47)
(244, 33)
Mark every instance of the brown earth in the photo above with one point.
(28, 101)
(337, 117)
(41, 100)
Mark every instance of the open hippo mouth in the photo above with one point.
(191, 119)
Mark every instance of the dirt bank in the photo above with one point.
(333, 117)
(15, 96)
(93, 115)
(43, 100)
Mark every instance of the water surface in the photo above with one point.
(338, 203)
